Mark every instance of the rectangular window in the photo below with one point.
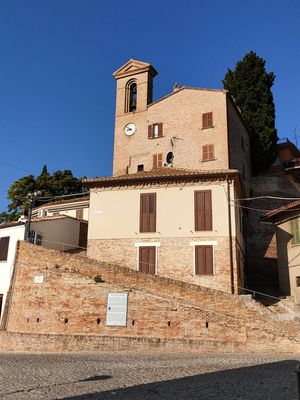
(204, 260)
(157, 160)
(79, 214)
(208, 152)
(4, 243)
(203, 210)
(295, 231)
(207, 120)
(155, 130)
(147, 259)
(148, 212)
(140, 168)
(298, 281)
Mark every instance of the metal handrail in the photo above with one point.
(260, 293)
(63, 243)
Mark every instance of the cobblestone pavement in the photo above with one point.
(149, 375)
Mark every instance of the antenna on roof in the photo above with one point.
(295, 135)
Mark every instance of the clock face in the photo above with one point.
(129, 129)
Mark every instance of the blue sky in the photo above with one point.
(57, 95)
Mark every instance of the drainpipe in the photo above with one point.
(230, 237)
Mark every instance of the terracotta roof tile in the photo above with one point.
(53, 218)
(61, 202)
(278, 213)
(161, 174)
(11, 224)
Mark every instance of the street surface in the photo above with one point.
(148, 375)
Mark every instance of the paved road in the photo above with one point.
(149, 376)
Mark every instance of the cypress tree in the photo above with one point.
(250, 85)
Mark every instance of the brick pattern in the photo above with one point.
(162, 310)
(175, 258)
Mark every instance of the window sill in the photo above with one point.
(208, 127)
(204, 275)
(156, 137)
(211, 159)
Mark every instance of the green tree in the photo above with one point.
(58, 184)
(250, 85)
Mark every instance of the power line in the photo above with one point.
(15, 167)
(268, 197)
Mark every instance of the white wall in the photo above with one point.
(114, 213)
(6, 267)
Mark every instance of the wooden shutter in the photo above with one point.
(148, 212)
(157, 160)
(204, 260)
(154, 161)
(143, 259)
(79, 214)
(149, 131)
(205, 156)
(4, 243)
(208, 152)
(207, 120)
(203, 210)
(147, 259)
(295, 231)
(160, 129)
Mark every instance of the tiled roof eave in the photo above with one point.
(161, 179)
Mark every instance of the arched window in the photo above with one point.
(131, 96)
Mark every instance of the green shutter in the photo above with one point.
(295, 231)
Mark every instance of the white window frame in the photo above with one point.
(147, 244)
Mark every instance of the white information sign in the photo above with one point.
(39, 279)
(116, 313)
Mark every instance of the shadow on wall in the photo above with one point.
(283, 261)
(276, 381)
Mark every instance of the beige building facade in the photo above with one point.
(181, 164)
(287, 228)
(75, 208)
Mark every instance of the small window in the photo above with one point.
(208, 152)
(148, 212)
(140, 168)
(157, 161)
(4, 243)
(295, 231)
(207, 120)
(132, 97)
(298, 281)
(204, 260)
(155, 130)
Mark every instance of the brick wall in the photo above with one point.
(70, 303)
(175, 258)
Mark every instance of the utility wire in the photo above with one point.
(15, 166)
(268, 197)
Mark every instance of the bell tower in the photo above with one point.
(134, 86)
(134, 93)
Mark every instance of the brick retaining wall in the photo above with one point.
(71, 304)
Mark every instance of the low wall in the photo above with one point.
(69, 304)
